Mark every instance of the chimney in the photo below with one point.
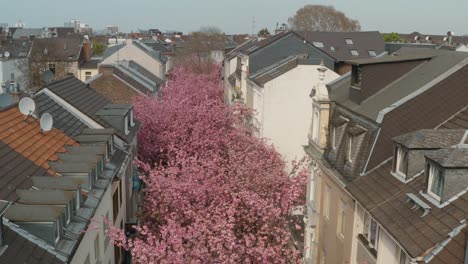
(450, 37)
(87, 52)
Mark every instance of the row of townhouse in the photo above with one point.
(66, 165)
(141, 65)
(275, 76)
(385, 187)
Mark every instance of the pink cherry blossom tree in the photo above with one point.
(213, 192)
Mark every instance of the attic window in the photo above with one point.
(333, 137)
(78, 201)
(67, 215)
(57, 232)
(354, 52)
(132, 122)
(435, 182)
(349, 151)
(372, 53)
(318, 44)
(401, 161)
(349, 41)
(332, 48)
(127, 125)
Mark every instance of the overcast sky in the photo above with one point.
(235, 16)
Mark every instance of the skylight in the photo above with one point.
(349, 41)
(354, 52)
(332, 48)
(318, 44)
(372, 53)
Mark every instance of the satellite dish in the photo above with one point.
(7, 54)
(27, 106)
(5, 100)
(48, 76)
(46, 122)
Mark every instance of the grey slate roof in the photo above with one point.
(63, 120)
(450, 158)
(363, 42)
(281, 67)
(58, 49)
(111, 50)
(384, 197)
(15, 170)
(16, 48)
(430, 138)
(156, 54)
(23, 250)
(26, 32)
(88, 101)
(410, 82)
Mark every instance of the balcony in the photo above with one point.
(365, 254)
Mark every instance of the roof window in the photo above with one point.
(349, 41)
(372, 53)
(332, 48)
(318, 44)
(354, 52)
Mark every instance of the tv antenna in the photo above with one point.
(46, 122)
(27, 106)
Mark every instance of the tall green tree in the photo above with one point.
(391, 37)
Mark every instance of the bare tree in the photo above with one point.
(38, 62)
(322, 18)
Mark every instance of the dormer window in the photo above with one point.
(357, 76)
(435, 182)
(315, 126)
(78, 200)
(132, 122)
(67, 215)
(333, 137)
(349, 151)
(127, 125)
(401, 161)
(57, 232)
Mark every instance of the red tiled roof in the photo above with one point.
(25, 137)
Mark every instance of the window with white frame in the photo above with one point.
(373, 234)
(372, 53)
(342, 219)
(401, 256)
(327, 202)
(68, 215)
(349, 151)
(349, 41)
(96, 247)
(354, 52)
(435, 182)
(333, 137)
(312, 185)
(401, 161)
(315, 126)
(57, 232)
(132, 121)
(370, 230)
(126, 124)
